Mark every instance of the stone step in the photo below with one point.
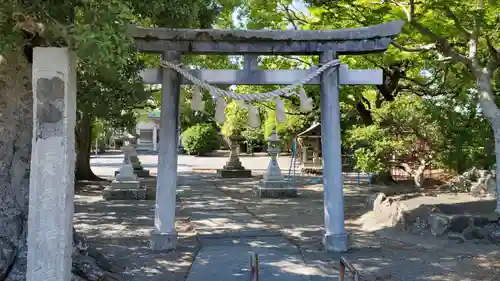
(229, 260)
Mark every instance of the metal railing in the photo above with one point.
(345, 264)
(254, 267)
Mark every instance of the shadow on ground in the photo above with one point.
(223, 211)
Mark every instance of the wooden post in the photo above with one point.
(335, 238)
(164, 235)
(50, 219)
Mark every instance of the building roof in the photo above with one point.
(154, 114)
(314, 130)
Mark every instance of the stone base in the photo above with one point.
(110, 193)
(163, 241)
(338, 243)
(234, 173)
(274, 189)
(140, 173)
(125, 184)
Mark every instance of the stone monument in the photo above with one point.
(273, 184)
(130, 152)
(126, 186)
(233, 167)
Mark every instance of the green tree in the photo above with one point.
(402, 130)
(200, 139)
(96, 30)
(457, 34)
(236, 120)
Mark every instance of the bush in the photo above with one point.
(200, 139)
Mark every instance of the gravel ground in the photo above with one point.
(122, 229)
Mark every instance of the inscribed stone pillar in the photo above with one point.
(50, 219)
(335, 238)
(164, 235)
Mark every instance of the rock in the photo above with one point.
(485, 184)
(419, 226)
(438, 223)
(471, 233)
(491, 187)
(493, 233)
(370, 201)
(471, 174)
(459, 237)
(379, 198)
(458, 223)
(480, 221)
(493, 218)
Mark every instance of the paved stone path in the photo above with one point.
(229, 234)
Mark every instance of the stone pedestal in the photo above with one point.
(125, 186)
(233, 167)
(273, 185)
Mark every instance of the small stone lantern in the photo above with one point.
(273, 184)
(273, 172)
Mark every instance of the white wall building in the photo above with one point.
(148, 132)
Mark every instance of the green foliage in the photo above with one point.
(236, 120)
(253, 136)
(286, 131)
(189, 117)
(398, 128)
(200, 139)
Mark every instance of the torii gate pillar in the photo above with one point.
(335, 237)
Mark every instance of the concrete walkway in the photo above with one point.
(228, 234)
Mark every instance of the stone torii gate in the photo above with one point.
(328, 44)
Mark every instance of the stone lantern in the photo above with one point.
(126, 185)
(273, 183)
(233, 167)
(130, 152)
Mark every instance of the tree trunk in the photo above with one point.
(492, 113)
(83, 132)
(16, 123)
(384, 177)
(416, 174)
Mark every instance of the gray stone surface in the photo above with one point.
(388, 29)
(269, 189)
(142, 173)
(229, 259)
(439, 223)
(229, 235)
(125, 184)
(223, 173)
(124, 194)
(51, 187)
(337, 243)
(163, 241)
